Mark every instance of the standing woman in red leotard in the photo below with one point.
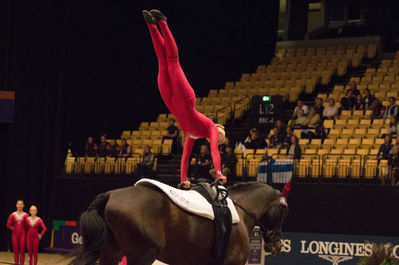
(33, 222)
(17, 224)
(179, 96)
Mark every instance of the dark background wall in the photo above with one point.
(83, 68)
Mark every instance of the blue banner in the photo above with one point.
(327, 249)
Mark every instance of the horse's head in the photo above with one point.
(265, 207)
(271, 224)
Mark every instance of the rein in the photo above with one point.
(245, 211)
(268, 235)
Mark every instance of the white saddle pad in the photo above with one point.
(190, 200)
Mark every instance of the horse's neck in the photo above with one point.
(254, 203)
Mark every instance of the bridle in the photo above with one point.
(269, 235)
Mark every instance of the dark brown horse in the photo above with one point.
(142, 224)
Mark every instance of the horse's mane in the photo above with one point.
(248, 187)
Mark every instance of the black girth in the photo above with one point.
(222, 222)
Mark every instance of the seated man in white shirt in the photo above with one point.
(303, 107)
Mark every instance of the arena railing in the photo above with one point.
(104, 165)
(326, 168)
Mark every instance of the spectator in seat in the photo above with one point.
(331, 111)
(353, 87)
(294, 150)
(359, 105)
(385, 148)
(393, 129)
(275, 140)
(114, 149)
(172, 132)
(125, 149)
(103, 147)
(348, 102)
(229, 162)
(313, 118)
(300, 106)
(254, 141)
(301, 120)
(203, 163)
(392, 109)
(222, 147)
(368, 99)
(318, 134)
(378, 109)
(393, 167)
(287, 139)
(90, 147)
(147, 162)
(318, 105)
(279, 125)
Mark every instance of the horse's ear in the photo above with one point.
(286, 189)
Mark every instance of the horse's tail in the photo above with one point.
(94, 232)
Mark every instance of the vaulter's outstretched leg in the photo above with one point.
(163, 74)
(182, 91)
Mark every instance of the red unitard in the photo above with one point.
(179, 97)
(17, 223)
(32, 240)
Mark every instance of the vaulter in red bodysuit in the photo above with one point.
(17, 224)
(33, 222)
(179, 96)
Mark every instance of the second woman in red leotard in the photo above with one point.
(179, 96)
(33, 223)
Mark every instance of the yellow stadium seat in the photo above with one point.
(69, 164)
(360, 132)
(374, 151)
(143, 126)
(335, 132)
(350, 151)
(303, 141)
(303, 167)
(145, 134)
(348, 131)
(379, 141)
(366, 122)
(323, 151)
(356, 168)
(329, 167)
(328, 124)
(340, 122)
(329, 142)
(316, 142)
(310, 151)
(368, 113)
(363, 151)
(370, 169)
(357, 114)
(355, 141)
(272, 151)
(343, 167)
(373, 131)
(109, 166)
(368, 141)
(162, 117)
(239, 167)
(341, 141)
(346, 113)
(253, 167)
